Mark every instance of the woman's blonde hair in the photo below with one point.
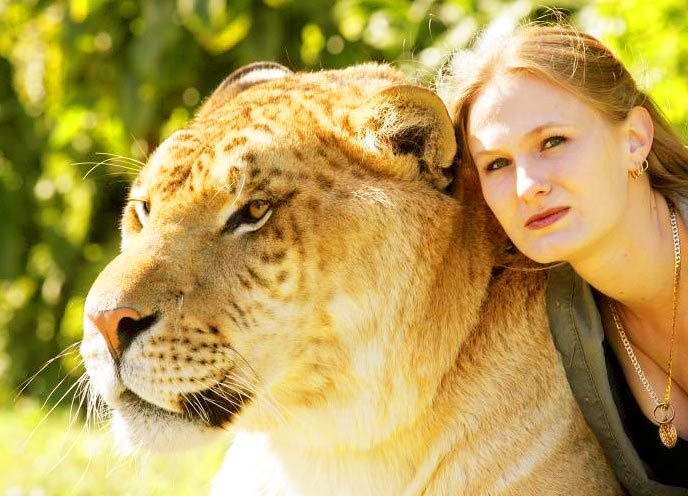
(581, 64)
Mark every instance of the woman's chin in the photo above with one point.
(547, 251)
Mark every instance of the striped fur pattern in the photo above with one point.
(317, 292)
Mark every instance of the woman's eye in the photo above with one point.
(497, 164)
(552, 141)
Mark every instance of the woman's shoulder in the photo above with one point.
(577, 327)
(577, 331)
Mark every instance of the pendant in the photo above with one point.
(664, 415)
(667, 433)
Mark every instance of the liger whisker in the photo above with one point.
(134, 161)
(65, 352)
(67, 375)
(45, 417)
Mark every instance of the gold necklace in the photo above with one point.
(663, 413)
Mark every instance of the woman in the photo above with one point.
(579, 166)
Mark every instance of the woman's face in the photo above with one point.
(552, 169)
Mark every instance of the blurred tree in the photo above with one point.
(84, 82)
(649, 37)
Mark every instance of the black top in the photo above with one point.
(665, 465)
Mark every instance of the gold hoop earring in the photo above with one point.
(635, 174)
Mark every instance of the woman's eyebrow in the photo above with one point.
(488, 152)
(544, 126)
(533, 132)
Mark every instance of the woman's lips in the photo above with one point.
(546, 218)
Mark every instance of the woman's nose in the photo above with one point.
(530, 183)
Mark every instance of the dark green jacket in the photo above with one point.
(576, 326)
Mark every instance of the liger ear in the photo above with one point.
(410, 130)
(241, 79)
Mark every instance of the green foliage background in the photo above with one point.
(83, 79)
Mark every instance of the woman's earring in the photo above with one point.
(635, 174)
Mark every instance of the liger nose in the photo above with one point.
(119, 327)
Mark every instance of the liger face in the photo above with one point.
(551, 168)
(255, 264)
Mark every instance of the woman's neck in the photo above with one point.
(634, 263)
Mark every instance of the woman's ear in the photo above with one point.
(640, 132)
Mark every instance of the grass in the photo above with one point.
(53, 459)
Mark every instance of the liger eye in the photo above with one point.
(258, 208)
(250, 217)
(142, 209)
